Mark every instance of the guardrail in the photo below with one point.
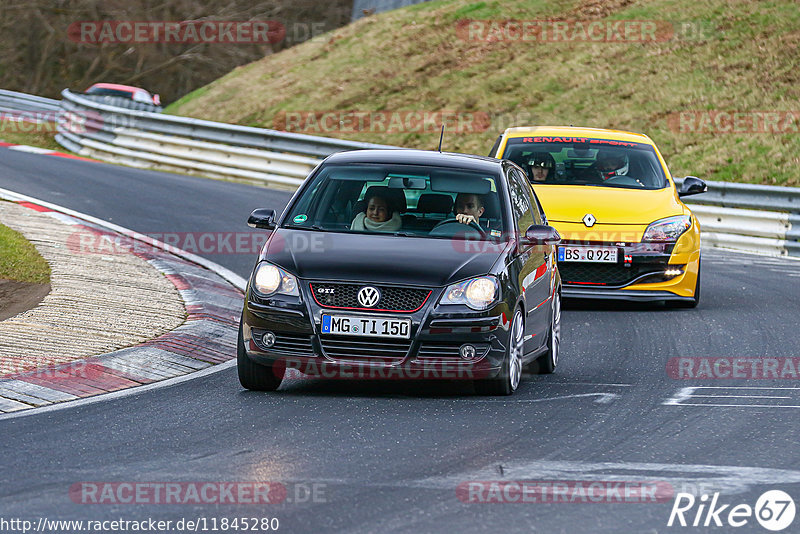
(172, 143)
(21, 102)
(753, 218)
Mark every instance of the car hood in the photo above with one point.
(609, 205)
(379, 258)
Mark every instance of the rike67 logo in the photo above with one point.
(774, 510)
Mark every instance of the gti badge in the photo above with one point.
(368, 296)
(589, 220)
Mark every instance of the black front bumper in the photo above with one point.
(431, 352)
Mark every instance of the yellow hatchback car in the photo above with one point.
(625, 232)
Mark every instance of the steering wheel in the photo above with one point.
(624, 179)
(473, 225)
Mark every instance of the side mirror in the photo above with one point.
(262, 218)
(692, 186)
(540, 234)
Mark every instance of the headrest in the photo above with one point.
(435, 203)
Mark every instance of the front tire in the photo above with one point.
(549, 361)
(254, 376)
(507, 381)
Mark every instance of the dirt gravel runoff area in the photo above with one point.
(96, 304)
(17, 297)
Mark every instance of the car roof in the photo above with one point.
(577, 131)
(418, 157)
(118, 87)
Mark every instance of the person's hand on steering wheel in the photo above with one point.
(469, 220)
(466, 219)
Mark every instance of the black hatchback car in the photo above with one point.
(404, 264)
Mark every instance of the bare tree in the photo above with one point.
(39, 55)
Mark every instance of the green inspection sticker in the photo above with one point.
(299, 219)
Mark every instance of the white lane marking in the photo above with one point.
(122, 393)
(236, 280)
(31, 149)
(689, 393)
(722, 478)
(604, 398)
(233, 278)
(590, 384)
(738, 397)
(740, 405)
(682, 395)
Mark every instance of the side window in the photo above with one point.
(520, 200)
(538, 212)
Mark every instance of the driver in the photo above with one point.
(610, 164)
(541, 166)
(469, 208)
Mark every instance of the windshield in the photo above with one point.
(583, 161)
(407, 200)
(105, 91)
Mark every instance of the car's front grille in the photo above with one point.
(400, 299)
(605, 274)
(365, 349)
(444, 351)
(295, 344)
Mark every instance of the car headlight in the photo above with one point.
(477, 293)
(269, 279)
(669, 229)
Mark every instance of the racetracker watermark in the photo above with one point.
(187, 32)
(588, 31)
(564, 491)
(248, 243)
(48, 121)
(735, 122)
(726, 368)
(106, 244)
(377, 369)
(172, 493)
(389, 122)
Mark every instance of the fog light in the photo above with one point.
(268, 339)
(673, 272)
(467, 352)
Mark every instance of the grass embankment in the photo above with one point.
(31, 138)
(723, 56)
(19, 259)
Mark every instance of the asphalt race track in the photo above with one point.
(389, 456)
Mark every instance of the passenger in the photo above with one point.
(469, 208)
(541, 167)
(379, 216)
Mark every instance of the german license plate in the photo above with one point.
(588, 254)
(352, 325)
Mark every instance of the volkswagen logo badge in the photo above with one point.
(368, 296)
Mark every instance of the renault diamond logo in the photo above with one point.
(368, 296)
(589, 220)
